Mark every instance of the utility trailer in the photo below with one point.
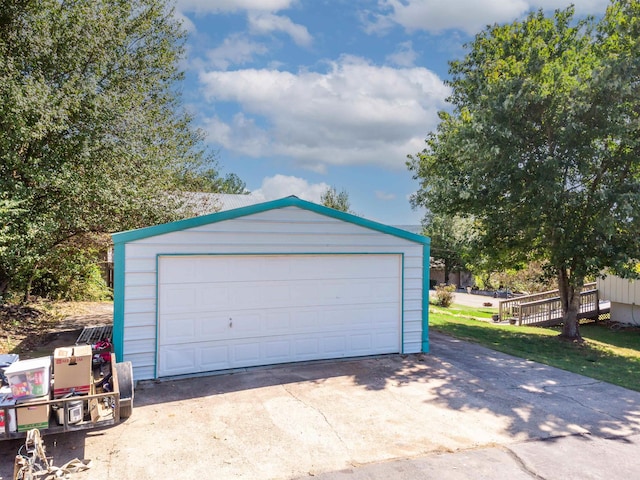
(101, 407)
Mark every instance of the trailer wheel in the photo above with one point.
(124, 371)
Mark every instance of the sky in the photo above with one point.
(296, 96)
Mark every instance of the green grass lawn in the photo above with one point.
(612, 356)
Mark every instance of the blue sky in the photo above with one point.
(299, 95)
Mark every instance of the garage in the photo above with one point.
(277, 282)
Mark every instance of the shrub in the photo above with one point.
(70, 273)
(444, 295)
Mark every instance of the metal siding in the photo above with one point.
(619, 290)
(285, 230)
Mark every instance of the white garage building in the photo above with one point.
(276, 282)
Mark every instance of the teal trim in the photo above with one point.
(426, 263)
(402, 303)
(118, 300)
(156, 354)
(131, 235)
(122, 238)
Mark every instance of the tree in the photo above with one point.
(337, 200)
(449, 240)
(92, 132)
(210, 181)
(541, 148)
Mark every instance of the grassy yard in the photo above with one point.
(612, 356)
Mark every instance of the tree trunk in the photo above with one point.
(570, 289)
(4, 286)
(446, 272)
(27, 289)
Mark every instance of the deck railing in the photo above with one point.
(510, 308)
(548, 311)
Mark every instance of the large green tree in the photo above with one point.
(541, 147)
(92, 132)
(450, 241)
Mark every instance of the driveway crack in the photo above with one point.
(320, 412)
(523, 466)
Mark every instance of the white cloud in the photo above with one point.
(380, 195)
(236, 49)
(187, 24)
(265, 23)
(241, 135)
(355, 113)
(470, 16)
(404, 56)
(217, 6)
(280, 186)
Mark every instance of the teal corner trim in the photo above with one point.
(122, 238)
(118, 300)
(292, 201)
(155, 354)
(426, 264)
(402, 303)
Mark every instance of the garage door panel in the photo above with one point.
(245, 324)
(277, 351)
(361, 343)
(178, 272)
(384, 340)
(179, 359)
(334, 345)
(179, 327)
(307, 319)
(211, 296)
(384, 290)
(213, 325)
(278, 323)
(306, 348)
(179, 299)
(245, 354)
(213, 357)
(259, 310)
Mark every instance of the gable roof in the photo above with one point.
(292, 201)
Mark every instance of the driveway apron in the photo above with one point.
(297, 420)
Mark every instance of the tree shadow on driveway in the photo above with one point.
(296, 419)
(540, 401)
(459, 391)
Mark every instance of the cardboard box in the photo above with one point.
(29, 378)
(71, 370)
(10, 418)
(32, 416)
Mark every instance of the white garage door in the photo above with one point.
(221, 312)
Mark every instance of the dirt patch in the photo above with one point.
(37, 329)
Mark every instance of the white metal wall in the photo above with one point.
(624, 296)
(285, 230)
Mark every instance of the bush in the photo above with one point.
(444, 295)
(71, 273)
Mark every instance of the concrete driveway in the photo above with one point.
(462, 411)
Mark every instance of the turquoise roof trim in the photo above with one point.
(132, 235)
(120, 240)
(426, 252)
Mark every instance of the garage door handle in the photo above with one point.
(230, 323)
